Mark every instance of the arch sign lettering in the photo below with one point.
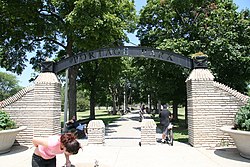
(124, 51)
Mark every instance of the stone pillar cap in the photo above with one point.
(200, 74)
(47, 77)
(148, 123)
(96, 124)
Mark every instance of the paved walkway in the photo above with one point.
(121, 149)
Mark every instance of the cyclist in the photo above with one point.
(165, 116)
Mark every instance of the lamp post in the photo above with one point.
(124, 101)
(149, 104)
(130, 95)
(66, 97)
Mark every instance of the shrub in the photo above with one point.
(6, 122)
(242, 119)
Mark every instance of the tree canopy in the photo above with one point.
(8, 85)
(212, 27)
(47, 27)
(60, 28)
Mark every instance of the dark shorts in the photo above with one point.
(165, 128)
(38, 161)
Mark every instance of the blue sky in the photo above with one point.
(24, 78)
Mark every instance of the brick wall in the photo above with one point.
(210, 106)
(38, 107)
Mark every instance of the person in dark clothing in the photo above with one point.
(141, 112)
(165, 116)
(73, 122)
(73, 126)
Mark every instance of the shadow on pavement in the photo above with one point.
(15, 150)
(109, 131)
(230, 153)
(111, 128)
(137, 128)
(112, 125)
(122, 138)
(134, 118)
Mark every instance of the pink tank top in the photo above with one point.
(52, 149)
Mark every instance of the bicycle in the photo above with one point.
(170, 135)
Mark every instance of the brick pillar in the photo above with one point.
(46, 113)
(96, 132)
(201, 118)
(148, 132)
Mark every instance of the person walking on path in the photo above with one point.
(165, 116)
(47, 148)
(141, 112)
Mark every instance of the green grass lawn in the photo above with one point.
(101, 114)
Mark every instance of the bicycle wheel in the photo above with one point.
(170, 137)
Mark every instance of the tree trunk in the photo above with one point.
(186, 114)
(159, 106)
(114, 111)
(92, 105)
(156, 107)
(175, 111)
(72, 92)
(72, 82)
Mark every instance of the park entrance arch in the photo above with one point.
(124, 51)
(210, 104)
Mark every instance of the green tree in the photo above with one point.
(61, 28)
(112, 75)
(213, 27)
(163, 81)
(82, 99)
(99, 77)
(8, 85)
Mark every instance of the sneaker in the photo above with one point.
(162, 141)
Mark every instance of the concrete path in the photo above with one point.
(121, 149)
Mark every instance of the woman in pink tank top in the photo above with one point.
(47, 148)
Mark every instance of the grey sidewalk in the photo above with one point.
(121, 149)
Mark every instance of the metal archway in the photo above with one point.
(125, 51)
(122, 51)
